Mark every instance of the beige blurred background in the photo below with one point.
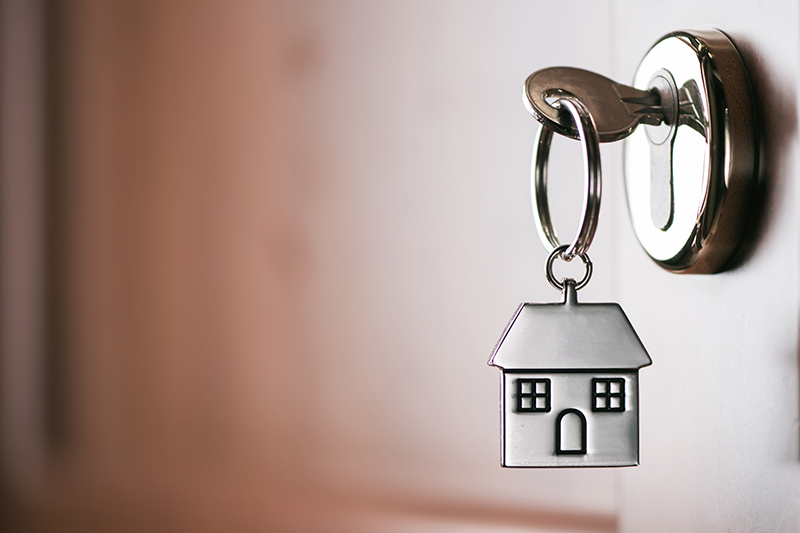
(256, 255)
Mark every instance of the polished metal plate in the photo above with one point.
(689, 183)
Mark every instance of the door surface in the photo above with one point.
(719, 431)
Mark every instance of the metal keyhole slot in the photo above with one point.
(662, 198)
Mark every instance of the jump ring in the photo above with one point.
(559, 252)
(587, 132)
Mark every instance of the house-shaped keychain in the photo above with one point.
(570, 385)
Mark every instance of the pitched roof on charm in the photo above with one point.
(569, 336)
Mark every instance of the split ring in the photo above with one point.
(587, 132)
(559, 252)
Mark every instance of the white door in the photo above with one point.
(719, 433)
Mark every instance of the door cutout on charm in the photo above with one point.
(571, 433)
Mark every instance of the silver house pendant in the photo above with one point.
(570, 385)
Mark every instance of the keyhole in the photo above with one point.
(662, 197)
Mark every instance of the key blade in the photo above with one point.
(631, 95)
(641, 104)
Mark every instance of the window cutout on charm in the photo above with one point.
(533, 395)
(608, 394)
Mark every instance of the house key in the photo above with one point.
(617, 110)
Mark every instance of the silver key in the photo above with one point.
(616, 108)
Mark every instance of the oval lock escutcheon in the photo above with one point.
(688, 183)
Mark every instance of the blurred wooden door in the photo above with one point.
(260, 252)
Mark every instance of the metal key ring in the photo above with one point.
(587, 132)
(559, 252)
